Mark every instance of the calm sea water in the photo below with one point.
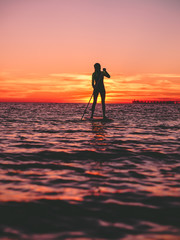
(62, 178)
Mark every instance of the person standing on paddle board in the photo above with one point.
(98, 85)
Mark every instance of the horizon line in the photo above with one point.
(61, 102)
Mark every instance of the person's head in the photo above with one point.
(97, 67)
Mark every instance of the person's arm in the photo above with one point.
(93, 81)
(106, 74)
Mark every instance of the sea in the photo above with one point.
(66, 178)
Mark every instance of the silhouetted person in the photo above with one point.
(98, 85)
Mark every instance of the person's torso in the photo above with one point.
(99, 77)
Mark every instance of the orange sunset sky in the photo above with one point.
(48, 49)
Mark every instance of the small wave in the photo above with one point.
(46, 131)
(29, 146)
(106, 220)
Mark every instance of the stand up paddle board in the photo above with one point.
(99, 119)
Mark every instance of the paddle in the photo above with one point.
(87, 105)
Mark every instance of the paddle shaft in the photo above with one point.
(87, 105)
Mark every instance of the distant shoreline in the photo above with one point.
(155, 102)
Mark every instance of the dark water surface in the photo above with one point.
(62, 178)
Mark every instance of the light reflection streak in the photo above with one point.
(98, 140)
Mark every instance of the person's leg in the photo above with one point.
(94, 103)
(103, 96)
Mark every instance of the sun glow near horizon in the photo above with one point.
(77, 88)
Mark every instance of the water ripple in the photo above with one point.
(89, 180)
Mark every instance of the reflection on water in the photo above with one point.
(99, 136)
(62, 178)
